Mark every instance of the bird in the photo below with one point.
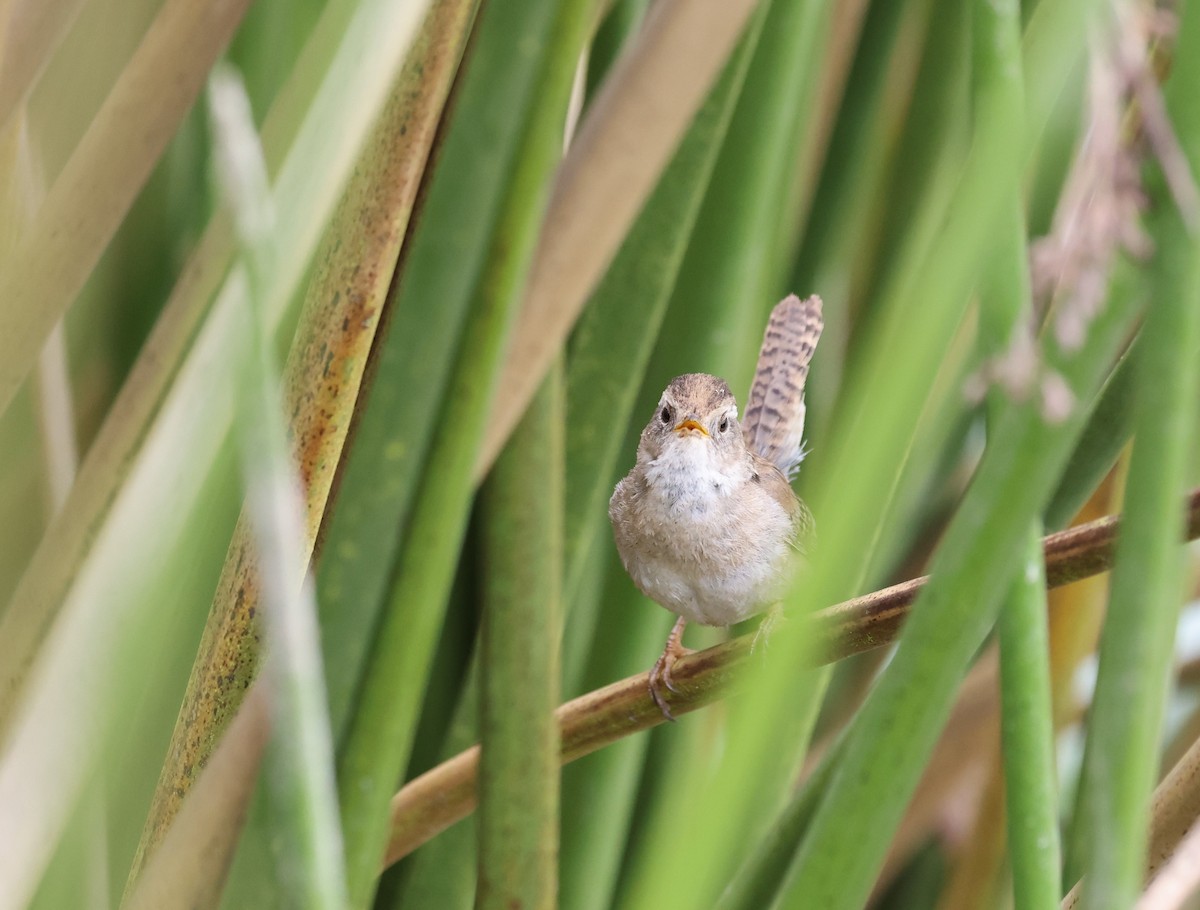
(706, 523)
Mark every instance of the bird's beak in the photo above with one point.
(690, 424)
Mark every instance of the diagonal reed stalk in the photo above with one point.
(446, 794)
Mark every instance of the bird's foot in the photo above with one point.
(660, 675)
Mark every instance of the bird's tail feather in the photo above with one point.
(774, 422)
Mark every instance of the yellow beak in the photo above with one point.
(690, 425)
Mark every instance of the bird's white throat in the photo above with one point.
(690, 468)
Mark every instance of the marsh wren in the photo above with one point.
(706, 523)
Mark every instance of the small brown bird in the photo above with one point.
(706, 523)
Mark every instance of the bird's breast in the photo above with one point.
(706, 548)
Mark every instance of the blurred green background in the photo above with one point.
(326, 330)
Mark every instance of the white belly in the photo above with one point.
(708, 549)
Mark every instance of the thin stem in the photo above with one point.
(1028, 740)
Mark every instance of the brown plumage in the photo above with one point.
(774, 421)
(706, 522)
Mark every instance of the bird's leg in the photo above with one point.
(662, 668)
(769, 624)
(673, 651)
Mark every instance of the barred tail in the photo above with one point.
(774, 422)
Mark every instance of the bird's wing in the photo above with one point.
(776, 485)
(774, 422)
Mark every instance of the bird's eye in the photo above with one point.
(665, 414)
(723, 425)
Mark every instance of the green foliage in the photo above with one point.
(901, 158)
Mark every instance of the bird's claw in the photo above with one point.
(667, 680)
(661, 675)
